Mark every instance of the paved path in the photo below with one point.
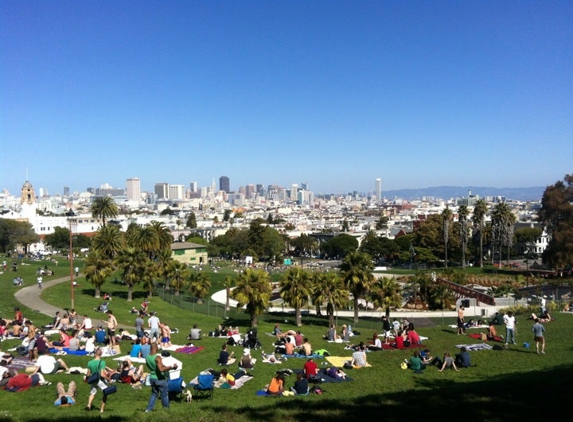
(30, 296)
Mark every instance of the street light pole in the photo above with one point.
(71, 255)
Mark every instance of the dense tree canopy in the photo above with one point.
(14, 233)
(340, 246)
(557, 214)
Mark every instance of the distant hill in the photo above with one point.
(447, 192)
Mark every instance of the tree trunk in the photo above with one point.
(227, 301)
(298, 317)
(254, 321)
(97, 292)
(130, 292)
(355, 310)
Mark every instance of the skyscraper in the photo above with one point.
(133, 187)
(224, 184)
(193, 187)
(162, 190)
(379, 191)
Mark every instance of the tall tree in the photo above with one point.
(447, 218)
(164, 236)
(191, 221)
(253, 290)
(478, 220)
(109, 241)
(97, 269)
(463, 213)
(104, 208)
(178, 275)
(340, 246)
(295, 290)
(357, 275)
(503, 221)
(557, 214)
(132, 263)
(228, 284)
(386, 293)
(328, 289)
(199, 284)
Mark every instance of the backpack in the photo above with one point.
(322, 352)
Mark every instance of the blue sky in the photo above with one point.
(332, 93)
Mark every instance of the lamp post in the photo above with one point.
(73, 223)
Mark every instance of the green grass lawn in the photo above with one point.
(514, 384)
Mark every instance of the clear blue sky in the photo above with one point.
(333, 93)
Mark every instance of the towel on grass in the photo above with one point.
(173, 347)
(301, 356)
(473, 347)
(324, 377)
(69, 352)
(239, 382)
(339, 361)
(134, 360)
(189, 350)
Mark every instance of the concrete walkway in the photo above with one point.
(30, 296)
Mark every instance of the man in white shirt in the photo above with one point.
(153, 323)
(509, 321)
(47, 364)
(87, 325)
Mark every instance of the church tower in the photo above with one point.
(28, 200)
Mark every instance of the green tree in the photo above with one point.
(199, 284)
(446, 220)
(295, 289)
(177, 274)
(228, 284)
(304, 244)
(191, 221)
(441, 297)
(163, 235)
(463, 213)
(372, 245)
(104, 208)
(340, 246)
(227, 215)
(131, 262)
(478, 221)
(328, 289)
(59, 239)
(108, 241)
(253, 290)
(357, 275)
(97, 269)
(386, 293)
(503, 221)
(557, 214)
(382, 222)
(345, 225)
(527, 236)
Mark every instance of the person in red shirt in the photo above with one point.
(310, 369)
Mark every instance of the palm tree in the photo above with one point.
(295, 290)
(104, 208)
(478, 220)
(386, 293)
(149, 274)
(163, 234)
(328, 288)
(441, 297)
(131, 262)
(357, 269)
(97, 269)
(253, 289)
(163, 261)
(463, 213)
(446, 217)
(108, 241)
(146, 241)
(199, 284)
(177, 273)
(503, 221)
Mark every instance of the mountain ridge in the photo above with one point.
(534, 193)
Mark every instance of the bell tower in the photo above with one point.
(28, 201)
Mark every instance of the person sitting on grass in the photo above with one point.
(447, 363)
(225, 358)
(306, 348)
(276, 386)
(300, 385)
(376, 343)
(463, 359)
(310, 369)
(416, 363)
(130, 374)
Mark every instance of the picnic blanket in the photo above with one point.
(239, 382)
(189, 350)
(339, 361)
(478, 337)
(324, 377)
(473, 347)
(68, 352)
(19, 363)
(172, 348)
(135, 360)
(301, 356)
(473, 326)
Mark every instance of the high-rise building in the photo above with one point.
(294, 192)
(177, 192)
(224, 184)
(133, 187)
(250, 191)
(162, 190)
(193, 187)
(379, 191)
(66, 191)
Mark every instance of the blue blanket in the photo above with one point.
(70, 352)
(299, 355)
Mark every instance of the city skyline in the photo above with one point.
(334, 93)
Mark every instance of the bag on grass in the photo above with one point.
(109, 390)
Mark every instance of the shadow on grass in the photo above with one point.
(528, 396)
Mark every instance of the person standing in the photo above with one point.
(157, 378)
(77, 271)
(40, 282)
(111, 326)
(543, 304)
(153, 324)
(97, 365)
(538, 330)
(461, 320)
(509, 321)
(139, 326)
